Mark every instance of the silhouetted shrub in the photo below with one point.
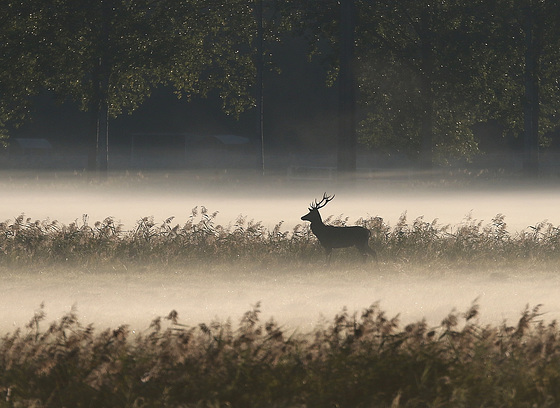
(25, 242)
(357, 360)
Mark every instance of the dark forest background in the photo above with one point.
(416, 83)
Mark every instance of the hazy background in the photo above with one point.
(166, 158)
(66, 197)
(297, 297)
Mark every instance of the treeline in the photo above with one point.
(426, 71)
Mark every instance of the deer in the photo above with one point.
(330, 236)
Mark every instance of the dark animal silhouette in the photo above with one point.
(337, 237)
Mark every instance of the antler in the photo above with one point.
(316, 205)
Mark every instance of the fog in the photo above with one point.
(298, 298)
(127, 198)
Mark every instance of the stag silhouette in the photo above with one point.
(331, 236)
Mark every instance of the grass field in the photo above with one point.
(25, 242)
(364, 359)
(360, 357)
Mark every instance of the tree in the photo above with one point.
(347, 89)
(422, 77)
(413, 69)
(533, 31)
(259, 85)
(522, 62)
(539, 42)
(108, 55)
(20, 74)
(332, 23)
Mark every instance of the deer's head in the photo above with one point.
(313, 214)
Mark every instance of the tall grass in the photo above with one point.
(355, 360)
(365, 359)
(25, 242)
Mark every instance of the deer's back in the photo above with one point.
(341, 237)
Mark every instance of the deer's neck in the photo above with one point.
(317, 225)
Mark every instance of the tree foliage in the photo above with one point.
(19, 73)
(507, 27)
(109, 55)
(418, 78)
(194, 45)
(429, 70)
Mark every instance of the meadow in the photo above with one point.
(26, 242)
(356, 358)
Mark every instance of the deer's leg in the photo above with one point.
(366, 251)
(328, 252)
(371, 252)
(364, 256)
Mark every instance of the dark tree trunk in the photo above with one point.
(103, 132)
(427, 125)
(98, 141)
(347, 90)
(98, 146)
(259, 86)
(531, 101)
(92, 137)
(427, 94)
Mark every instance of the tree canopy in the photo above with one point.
(429, 70)
(19, 73)
(108, 55)
(426, 71)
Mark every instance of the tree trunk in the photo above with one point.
(531, 101)
(103, 135)
(427, 94)
(259, 86)
(427, 125)
(98, 141)
(347, 140)
(98, 151)
(92, 136)
(94, 111)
